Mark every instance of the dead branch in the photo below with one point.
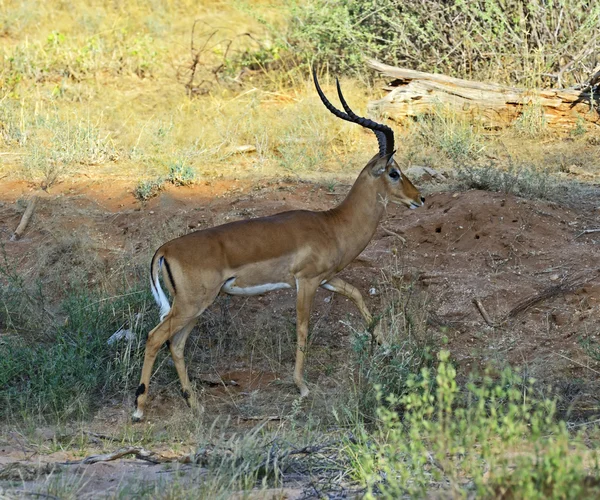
(261, 418)
(393, 233)
(565, 287)
(485, 315)
(577, 363)
(416, 93)
(100, 436)
(587, 231)
(25, 219)
(139, 453)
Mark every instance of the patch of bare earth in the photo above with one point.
(493, 248)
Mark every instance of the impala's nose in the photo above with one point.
(422, 200)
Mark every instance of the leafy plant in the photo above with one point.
(521, 180)
(181, 174)
(67, 375)
(147, 189)
(466, 441)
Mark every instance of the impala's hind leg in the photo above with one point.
(170, 325)
(347, 290)
(177, 349)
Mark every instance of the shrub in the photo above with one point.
(516, 40)
(181, 174)
(407, 348)
(147, 189)
(521, 180)
(496, 439)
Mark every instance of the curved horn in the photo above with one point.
(384, 134)
(327, 104)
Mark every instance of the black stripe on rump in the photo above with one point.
(151, 269)
(169, 274)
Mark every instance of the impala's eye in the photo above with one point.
(394, 174)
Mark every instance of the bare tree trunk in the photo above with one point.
(415, 93)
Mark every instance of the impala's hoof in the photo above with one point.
(304, 391)
(192, 400)
(378, 334)
(137, 416)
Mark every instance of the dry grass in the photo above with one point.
(98, 90)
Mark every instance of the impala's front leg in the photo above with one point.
(347, 290)
(304, 300)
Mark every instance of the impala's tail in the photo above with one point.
(157, 291)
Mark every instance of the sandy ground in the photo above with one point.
(493, 248)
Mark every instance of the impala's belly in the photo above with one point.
(257, 278)
(232, 288)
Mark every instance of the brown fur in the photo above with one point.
(302, 248)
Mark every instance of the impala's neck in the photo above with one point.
(359, 214)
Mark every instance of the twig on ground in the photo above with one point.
(100, 436)
(393, 233)
(35, 494)
(587, 231)
(562, 288)
(25, 219)
(485, 315)
(261, 418)
(577, 363)
(139, 452)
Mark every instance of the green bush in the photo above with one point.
(514, 40)
(521, 180)
(494, 439)
(181, 174)
(147, 189)
(408, 346)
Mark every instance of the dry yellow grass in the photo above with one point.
(94, 88)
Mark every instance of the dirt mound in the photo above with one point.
(503, 250)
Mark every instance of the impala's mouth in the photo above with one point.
(410, 203)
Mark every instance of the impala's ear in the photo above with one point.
(381, 163)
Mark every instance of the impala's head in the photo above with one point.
(398, 188)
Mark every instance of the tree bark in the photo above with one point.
(415, 93)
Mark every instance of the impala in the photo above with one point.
(299, 249)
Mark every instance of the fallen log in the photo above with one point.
(416, 93)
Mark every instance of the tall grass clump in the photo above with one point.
(494, 440)
(66, 367)
(457, 138)
(57, 147)
(408, 346)
(525, 180)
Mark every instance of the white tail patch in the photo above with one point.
(159, 295)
